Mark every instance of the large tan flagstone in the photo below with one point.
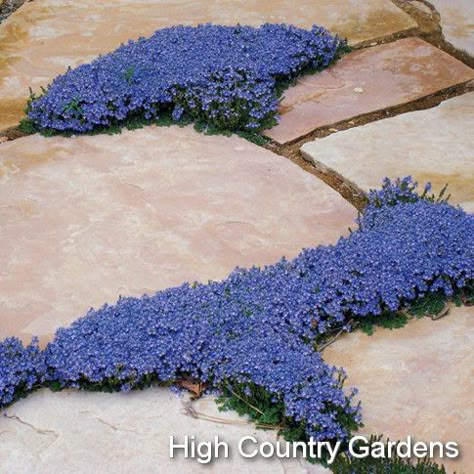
(117, 433)
(86, 219)
(434, 145)
(417, 380)
(366, 81)
(44, 37)
(457, 22)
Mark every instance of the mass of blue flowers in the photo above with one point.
(20, 368)
(224, 76)
(257, 326)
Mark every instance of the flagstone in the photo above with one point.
(366, 81)
(87, 219)
(416, 381)
(42, 38)
(433, 145)
(457, 22)
(75, 432)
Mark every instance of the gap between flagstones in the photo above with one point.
(349, 190)
(7, 7)
(429, 27)
(430, 30)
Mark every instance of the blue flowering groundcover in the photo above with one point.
(253, 332)
(223, 76)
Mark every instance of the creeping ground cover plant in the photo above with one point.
(225, 77)
(254, 336)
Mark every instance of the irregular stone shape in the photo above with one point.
(457, 22)
(41, 39)
(417, 380)
(366, 81)
(86, 219)
(434, 145)
(126, 433)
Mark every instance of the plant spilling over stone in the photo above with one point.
(223, 76)
(20, 368)
(251, 336)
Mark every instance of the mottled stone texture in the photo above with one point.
(116, 433)
(366, 81)
(43, 37)
(417, 380)
(457, 22)
(86, 219)
(434, 145)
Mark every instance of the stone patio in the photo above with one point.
(431, 145)
(85, 219)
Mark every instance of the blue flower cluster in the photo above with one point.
(208, 332)
(224, 76)
(20, 368)
(256, 326)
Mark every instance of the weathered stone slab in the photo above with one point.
(75, 432)
(457, 22)
(366, 81)
(416, 381)
(42, 38)
(86, 219)
(434, 145)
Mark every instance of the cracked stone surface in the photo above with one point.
(366, 81)
(87, 219)
(457, 22)
(417, 380)
(42, 38)
(125, 433)
(431, 145)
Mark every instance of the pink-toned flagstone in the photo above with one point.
(44, 37)
(366, 81)
(417, 380)
(84, 220)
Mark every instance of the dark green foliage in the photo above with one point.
(268, 411)
(27, 126)
(386, 320)
(254, 401)
(429, 305)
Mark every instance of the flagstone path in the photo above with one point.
(44, 37)
(85, 219)
(431, 145)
